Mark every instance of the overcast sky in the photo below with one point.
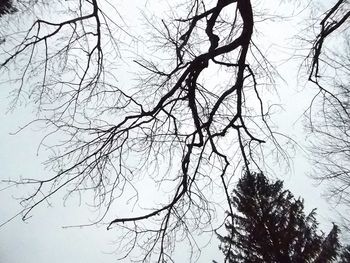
(43, 239)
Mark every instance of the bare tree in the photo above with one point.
(329, 119)
(174, 126)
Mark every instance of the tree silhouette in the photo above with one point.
(270, 225)
(6, 7)
(345, 255)
(170, 129)
(125, 109)
(329, 113)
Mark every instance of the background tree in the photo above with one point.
(270, 225)
(329, 114)
(134, 108)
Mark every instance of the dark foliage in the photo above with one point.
(270, 226)
(6, 7)
(172, 126)
(345, 255)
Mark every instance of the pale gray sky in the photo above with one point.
(42, 238)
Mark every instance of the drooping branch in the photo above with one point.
(329, 124)
(334, 18)
(177, 130)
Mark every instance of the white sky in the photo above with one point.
(42, 238)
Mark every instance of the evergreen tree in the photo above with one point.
(270, 226)
(6, 7)
(345, 255)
